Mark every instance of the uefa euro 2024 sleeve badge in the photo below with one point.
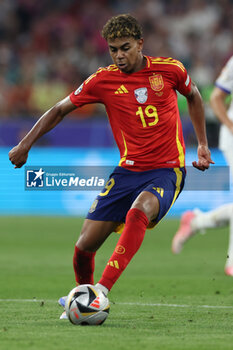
(79, 89)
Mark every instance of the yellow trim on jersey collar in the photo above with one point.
(147, 61)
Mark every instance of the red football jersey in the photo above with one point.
(142, 110)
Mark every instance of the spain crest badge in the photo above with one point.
(156, 82)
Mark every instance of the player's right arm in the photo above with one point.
(19, 154)
(85, 94)
(217, 102)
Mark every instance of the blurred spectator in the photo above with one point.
(48, 48)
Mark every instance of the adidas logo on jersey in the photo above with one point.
(121, 90)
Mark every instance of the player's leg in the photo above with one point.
(229, 262)
(107, 211)
(92, 236)
(184, 232)
(143, 210)
(195, 221)
(152, 203)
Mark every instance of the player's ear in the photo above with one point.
(140, 44)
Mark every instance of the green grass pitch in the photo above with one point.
(161, 301)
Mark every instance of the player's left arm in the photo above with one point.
(197, 115)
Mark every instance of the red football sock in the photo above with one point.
(128, 244)
(84, 265)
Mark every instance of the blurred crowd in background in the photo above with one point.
(47, 48)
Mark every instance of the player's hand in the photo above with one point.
(204, 158)
(18, 155)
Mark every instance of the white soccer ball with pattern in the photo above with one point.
(87, 305)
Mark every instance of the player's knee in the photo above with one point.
(85, 244)
(148, 204)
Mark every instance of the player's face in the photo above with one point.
(126, 53)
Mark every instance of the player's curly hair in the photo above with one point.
(122, 26)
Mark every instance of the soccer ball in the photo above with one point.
(87, 305)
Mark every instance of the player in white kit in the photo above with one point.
(194, 221)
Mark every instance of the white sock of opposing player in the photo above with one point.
(218, 217)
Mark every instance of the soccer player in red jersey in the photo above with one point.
(139, 94)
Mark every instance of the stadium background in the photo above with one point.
(48, 48)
